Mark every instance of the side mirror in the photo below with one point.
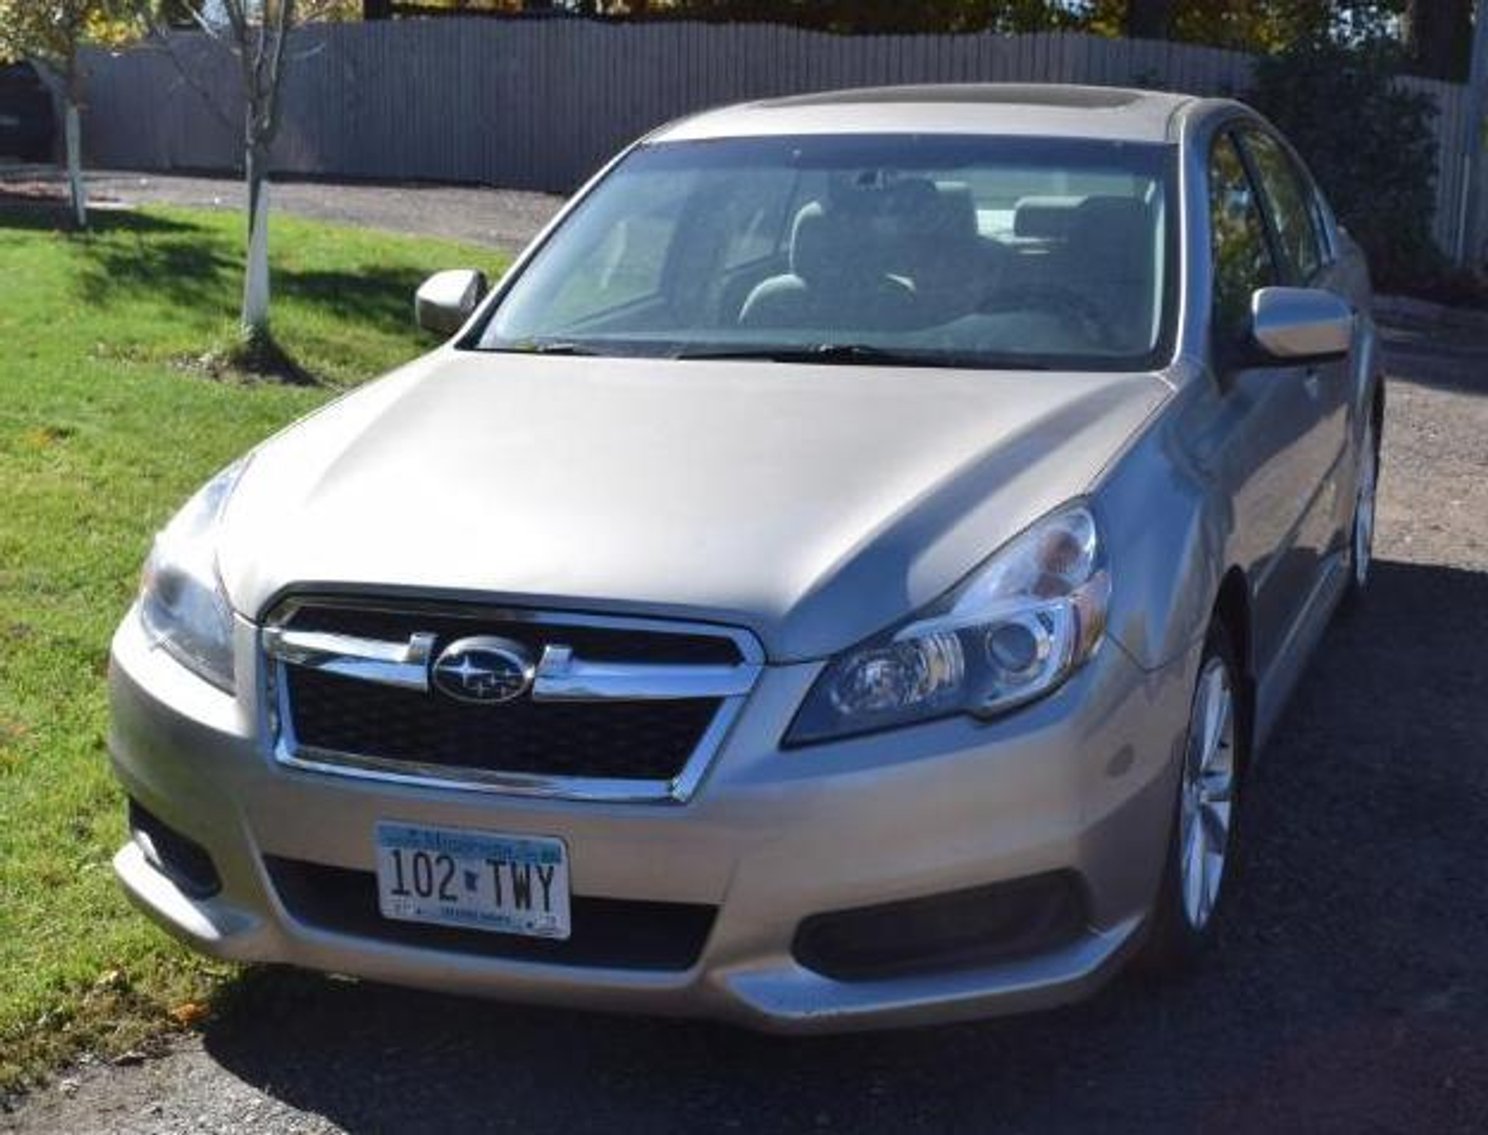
(447, 299)
(1301, 323)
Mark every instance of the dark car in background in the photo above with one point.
(27, 124)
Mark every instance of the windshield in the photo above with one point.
(922, 249)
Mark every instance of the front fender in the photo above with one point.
(1166, 523)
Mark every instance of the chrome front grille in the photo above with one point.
(609, 708)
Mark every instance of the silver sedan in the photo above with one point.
(843, 575)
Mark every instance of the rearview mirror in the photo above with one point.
(447, 299)
(1301, 323)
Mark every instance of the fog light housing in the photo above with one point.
(180, 859)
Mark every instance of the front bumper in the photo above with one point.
(1080, 783)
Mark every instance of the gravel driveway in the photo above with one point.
(503, 218)
(1350, 993)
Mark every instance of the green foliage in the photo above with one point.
(1279, 25)
(117, 402)
(1250, 25)
(50, 32)
(880, 16)
(1369, 143)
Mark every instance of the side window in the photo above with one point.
(1242, 257)
(1289, 203)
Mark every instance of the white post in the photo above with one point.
(75, 183)
(256, 280)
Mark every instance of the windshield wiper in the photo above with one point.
(811, 353)
(862, 354)
(548, 347)
(826, 354)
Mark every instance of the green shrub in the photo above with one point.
(1369, 143)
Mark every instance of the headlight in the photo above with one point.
(181, 603)
(1012, 632)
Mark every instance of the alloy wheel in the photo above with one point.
(1208, 792)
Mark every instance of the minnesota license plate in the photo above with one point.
(508, 884)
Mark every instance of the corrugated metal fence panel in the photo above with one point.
(1451, 128)
(540, 104)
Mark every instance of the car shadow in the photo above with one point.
(379, 296)
(196, 269)
(46, 212)
(1348, 992)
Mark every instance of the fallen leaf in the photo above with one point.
(189, 1013)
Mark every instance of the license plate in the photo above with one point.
(508, 884)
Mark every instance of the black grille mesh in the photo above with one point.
(624, 740)
(636, 740)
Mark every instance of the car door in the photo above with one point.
(1288, 202)
(1272, 455)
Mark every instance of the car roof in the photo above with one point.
(1034, 109)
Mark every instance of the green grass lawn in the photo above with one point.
(108, 420)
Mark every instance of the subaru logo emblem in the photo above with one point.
(484, 670)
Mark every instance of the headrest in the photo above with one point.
(1114, 210)
(810, 240)
(827, 246)
(956, 209)
(1044, 218)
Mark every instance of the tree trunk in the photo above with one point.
(1150, 19)
(64, 82)
(77, 187)
(255, 317)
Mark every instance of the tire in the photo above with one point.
(1197, 878)
(1361, 531)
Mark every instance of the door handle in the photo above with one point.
(1312, 382)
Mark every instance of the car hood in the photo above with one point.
(814, 505)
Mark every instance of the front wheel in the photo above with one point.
(1203, 831)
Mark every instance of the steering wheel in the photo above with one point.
(1057, 300)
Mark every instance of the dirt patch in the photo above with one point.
(245, 365)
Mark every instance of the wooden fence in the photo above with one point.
(528, 104)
